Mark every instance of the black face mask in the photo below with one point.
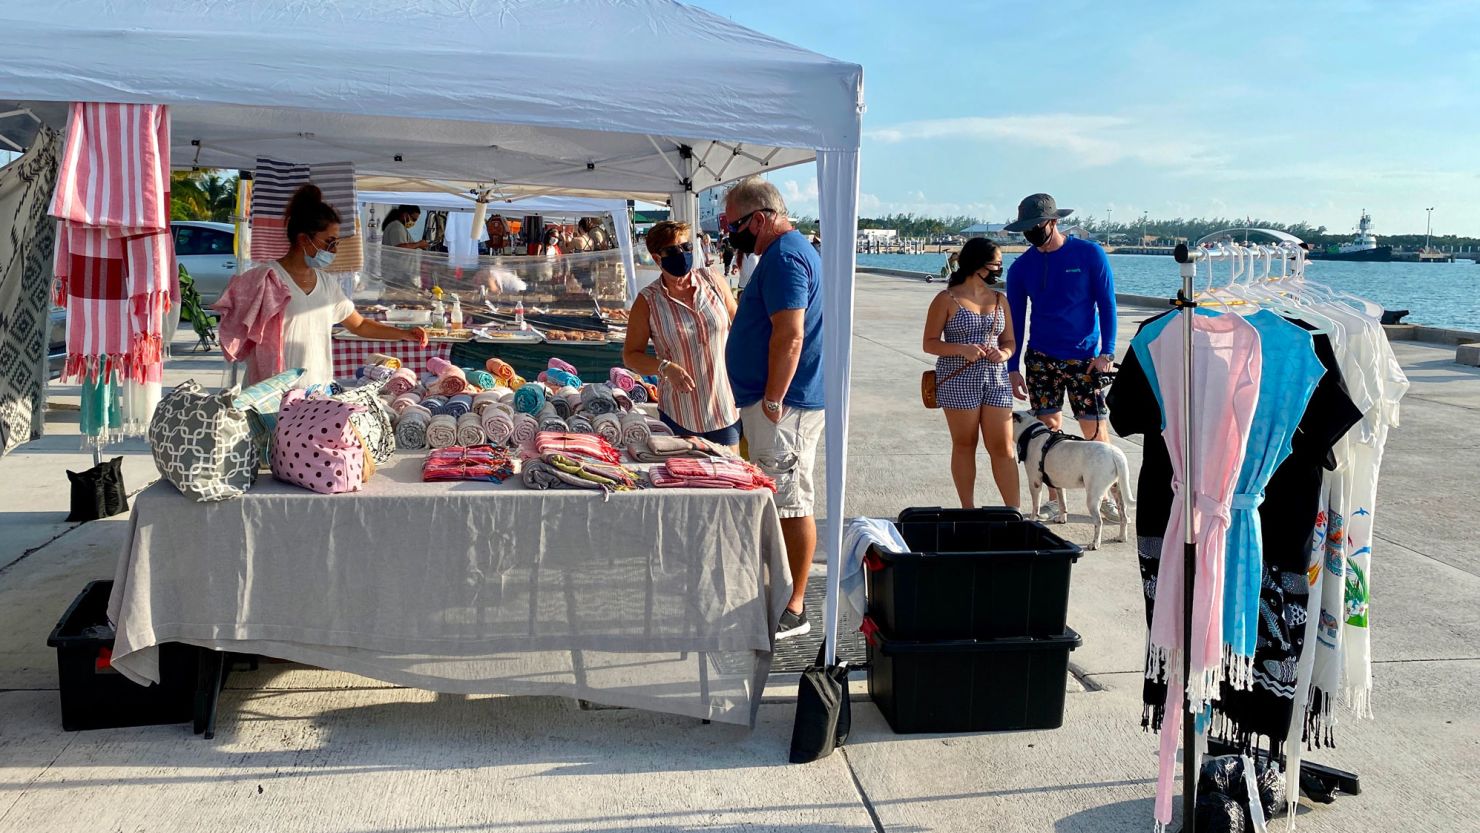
(993, 275)
(743, 240)
(1037, 235)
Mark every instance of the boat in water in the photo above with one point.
(1363, 247)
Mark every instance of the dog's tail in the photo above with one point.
(1123, 478)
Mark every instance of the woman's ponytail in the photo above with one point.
(307, 213)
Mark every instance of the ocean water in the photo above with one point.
(1436, 294)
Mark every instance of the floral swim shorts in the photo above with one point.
(1049, 379)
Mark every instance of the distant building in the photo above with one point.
(996, 232)
(878, 235)
(1081, 233)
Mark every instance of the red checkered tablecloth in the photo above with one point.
(350, 354)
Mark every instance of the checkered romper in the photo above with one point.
(984, 383)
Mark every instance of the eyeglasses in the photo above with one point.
(681, 248)
(330, 245)
(738, 224)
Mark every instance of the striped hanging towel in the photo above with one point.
(273, 184)
(115, 264)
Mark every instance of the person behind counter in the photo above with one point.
(281, 315)
(686, 313)
(396, 230)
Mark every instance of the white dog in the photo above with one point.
(1099, 468)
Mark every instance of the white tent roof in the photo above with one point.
(635, 97)
(585, 93)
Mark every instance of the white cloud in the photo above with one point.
(1086, 140)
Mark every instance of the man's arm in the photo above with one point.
(1105, 303)
(787, 331)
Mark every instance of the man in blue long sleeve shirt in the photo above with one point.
(1064, 291)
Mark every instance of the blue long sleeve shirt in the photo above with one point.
(1073, 296)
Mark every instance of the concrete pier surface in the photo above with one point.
(300, 749)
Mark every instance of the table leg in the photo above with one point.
(210, 675)
(577, 662)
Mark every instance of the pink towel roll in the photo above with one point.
(557, 364)
(440, 366)
(402, 381)
(404, 401)
(623, 378)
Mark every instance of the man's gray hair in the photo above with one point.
(754, 193)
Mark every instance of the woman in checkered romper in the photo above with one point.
(969, 326)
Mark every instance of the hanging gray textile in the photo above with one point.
(26, 245)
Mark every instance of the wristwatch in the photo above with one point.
(772, 407)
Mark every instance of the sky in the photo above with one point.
(1301, 110)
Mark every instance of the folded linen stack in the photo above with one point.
(470, 430)
(498, 423)
(442, 431)
(659, 428)
(608, 427)
(658, 449)
(456, 463)
(588, 446)
(727, 473)
(411, 426)
(635, 429)
(558, 471)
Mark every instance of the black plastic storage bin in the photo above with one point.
(971, 576)
(94, 696)
(936, 513)
(971, 686)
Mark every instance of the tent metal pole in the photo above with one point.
(1190, 764)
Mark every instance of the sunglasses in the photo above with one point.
(740, 223)
(330, 245)
(681, 248)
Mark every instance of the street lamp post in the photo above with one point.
(1428, 228)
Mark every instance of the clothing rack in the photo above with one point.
(1329, 779)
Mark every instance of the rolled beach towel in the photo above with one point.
(550, 420)
(384, 361)
(581, 424)
(442, 431)
(635, 430)
(401, 381)
(411, 427)
(436, 404)
(482, 400)
(376, 372)
(500, 369)
(597, 399)
(652, 392)
(562, 365)
(440, 366)
(516, 383)
(470, 430)
(525, 429)
(451, 382)
(659, 428)
(458, 405)
(562, 407)
(561, 379)
(623, 378)
(400, 403)
(482, 378)
(639, 394)
(624, 402)
(529, 399)
(498, 423)
(608, 427)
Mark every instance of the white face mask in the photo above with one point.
(320, 259)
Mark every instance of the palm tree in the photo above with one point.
(220, 194)
(202, 195)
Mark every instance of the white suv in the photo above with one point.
(207, 251)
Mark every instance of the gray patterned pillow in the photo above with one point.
(202, 444)
(374, 422)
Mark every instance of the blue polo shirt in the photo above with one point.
(788, 276)
(1073, 296)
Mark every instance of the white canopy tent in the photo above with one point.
(585, 97)
(559, 206)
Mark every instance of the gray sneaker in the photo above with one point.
(1109, 511)
(1050, 510)
(792, 624)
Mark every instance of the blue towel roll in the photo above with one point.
(530, 399)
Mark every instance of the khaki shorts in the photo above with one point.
(787, 452)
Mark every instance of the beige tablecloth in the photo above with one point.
(664, 600)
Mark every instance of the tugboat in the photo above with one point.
(1363, 247)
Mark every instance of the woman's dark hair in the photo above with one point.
(978, 252)
(307, 213)
(399, 213)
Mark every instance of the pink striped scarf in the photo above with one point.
(115, 264)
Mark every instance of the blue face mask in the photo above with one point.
(320, 259)
(677, 264)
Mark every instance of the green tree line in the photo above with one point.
(202, 195)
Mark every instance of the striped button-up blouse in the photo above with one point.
(693, 337)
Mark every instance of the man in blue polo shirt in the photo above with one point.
(1062, 290)
(775, 361)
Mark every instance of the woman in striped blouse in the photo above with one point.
(686, 314)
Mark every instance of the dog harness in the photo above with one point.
(1054, 438)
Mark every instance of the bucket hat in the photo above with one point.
(1035, 209)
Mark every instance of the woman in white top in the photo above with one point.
(316, 302)
(396, 230)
